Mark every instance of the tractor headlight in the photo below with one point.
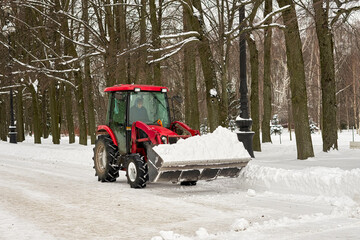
(137, 90)
(164, 90)
(164, 139)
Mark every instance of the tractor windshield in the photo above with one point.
(149, 107)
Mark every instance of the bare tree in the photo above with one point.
(297, 81)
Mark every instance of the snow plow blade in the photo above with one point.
(194, 170)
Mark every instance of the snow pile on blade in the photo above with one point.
(221, 144)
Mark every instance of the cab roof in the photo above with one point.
(131, 87)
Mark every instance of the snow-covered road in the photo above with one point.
(50, 192)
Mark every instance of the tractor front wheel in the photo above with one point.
(137, 171)
(105, 154)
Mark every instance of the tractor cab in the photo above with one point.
(130, 103)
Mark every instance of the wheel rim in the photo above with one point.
(132, 172)
(101, 157)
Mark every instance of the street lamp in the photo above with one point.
(7, 30)
(244, 122)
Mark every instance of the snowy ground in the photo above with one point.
(50, 192)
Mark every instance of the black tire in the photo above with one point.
(137, 171)
(188, 183)
(105, 155)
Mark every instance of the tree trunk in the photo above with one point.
(20, 116)
(44, 114)
(156, 42)
(254, 98)
(267, 76)
(191, 93)
(141, 65)
(79, 95)
(295, 64)
(53, 86)
(35, 115)
(328, 86)
(3, 126)
(79, 88)
(111, 75)
(69, 114)
(223, 71)
(289, 113)
(354, 102)
(120, 19)
(208, 66)
(88, 80)
(60, 104)
(55, 131)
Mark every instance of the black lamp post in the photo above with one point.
(8, 29)
(244, 122)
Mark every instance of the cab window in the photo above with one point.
(119, 108)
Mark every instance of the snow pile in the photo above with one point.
(213, 92)
(221, 144)
(238, 118)
(240, 225)
(169, 235)
(251, 193)
(202, 233)
(311, 180)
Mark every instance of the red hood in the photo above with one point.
(163, 131)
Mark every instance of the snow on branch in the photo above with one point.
(174, 45)
(272, 14)
(271, 25)
(133, 49)
(51, 59)
(72, 40)
(182, 44)
(45, 69)
(343, 89)
(259, 24)
(80, 58)
(178, 35)
(60, 79)
(11, 86)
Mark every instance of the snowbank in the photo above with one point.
(221, 144)
(311, 180)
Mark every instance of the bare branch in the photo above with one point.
(183, 43)
(342, 11)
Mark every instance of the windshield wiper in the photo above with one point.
(158, 100)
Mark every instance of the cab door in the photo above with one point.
(117, 120)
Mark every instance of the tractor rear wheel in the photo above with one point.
(105, 155)
(137, 171)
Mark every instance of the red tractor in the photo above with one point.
(138, 118)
